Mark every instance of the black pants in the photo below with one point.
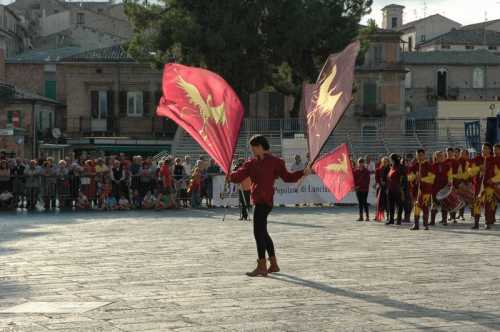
(363, 202)
(244, 203)
(262, 238)
(395, 203)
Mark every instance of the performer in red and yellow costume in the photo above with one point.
(463, 181)
(444, 177)
(483, 172)
(422, 178)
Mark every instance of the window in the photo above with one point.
(102, 105)
(445, 47)
(134, 103)
(378, 54)
(408, 79)
(492, 48)
(478, 78)
(394, 22)
(469, 47)
(14, 119)
(80, 18)
(410, 44)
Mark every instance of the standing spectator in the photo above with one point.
(32, 184)
(5, 183)
(64, 186)
(298, 165)
(166, 180)
(75, 172)
(19, 182)
(49, 185)
(101, 171)
(244, 190)
(135, 169)
(188, 167)
(212, 171)
(370, 164)
(362, 184)
(147, 175)
(117, 179)
(88, 182)
(180, 177)
(195, 188)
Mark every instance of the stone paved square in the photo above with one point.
(184, 271)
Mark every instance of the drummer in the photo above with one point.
(444, 178)
(483, 170)
(422, 177)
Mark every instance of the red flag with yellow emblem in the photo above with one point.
(330, 97)
(335, 170)
(204, 105)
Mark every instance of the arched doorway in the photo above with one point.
(442, 83)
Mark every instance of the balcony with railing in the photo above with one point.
(370, 111)
(140, 127)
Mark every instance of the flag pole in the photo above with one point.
(226, 184)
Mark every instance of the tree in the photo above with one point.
(253, 44)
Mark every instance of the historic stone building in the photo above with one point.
(14, 36)
(463, 40)
(88, 25)
(456, 76)
(418, 31)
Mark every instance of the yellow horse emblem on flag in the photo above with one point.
(340, 167)
(207, 112)
(326, 100)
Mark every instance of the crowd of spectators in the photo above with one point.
(118, 182)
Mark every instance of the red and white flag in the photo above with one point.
(204, 104)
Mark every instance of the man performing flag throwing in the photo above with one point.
(204, 105)
(263, 170)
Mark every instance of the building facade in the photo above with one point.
(463, 40)
(465, 76)
(88, 25)
(418, 31)
(14, 36)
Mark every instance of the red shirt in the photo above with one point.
(362, 179)
(441, 170)
(165, 174)
(394, 179)
(263, 172)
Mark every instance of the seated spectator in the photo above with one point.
(83, 202)
(6, 200)
(109, 202)
(136, 200)
(149, 201)
(123, 203)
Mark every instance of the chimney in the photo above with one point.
(2, 65)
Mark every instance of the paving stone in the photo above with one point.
(184, 271)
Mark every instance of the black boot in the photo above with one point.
(445, 218)
(433, 218)
(476, 222)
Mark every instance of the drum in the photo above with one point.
(466, 194)
(449, 199)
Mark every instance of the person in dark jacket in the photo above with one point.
(263, 170)
(362, 184)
